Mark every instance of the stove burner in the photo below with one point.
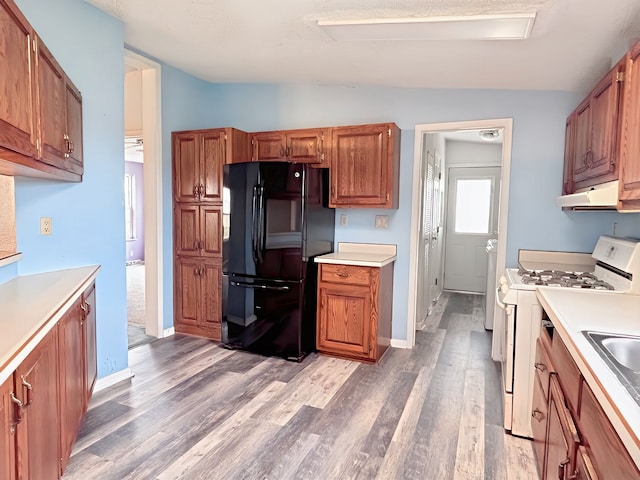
(558, 278)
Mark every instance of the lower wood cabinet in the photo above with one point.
(38, 419)
(43, 401)
(354, 311)
(562, 436)
(198, 286)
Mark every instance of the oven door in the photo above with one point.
(507, 337)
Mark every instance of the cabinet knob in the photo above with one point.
(538, 415)
(540, 366)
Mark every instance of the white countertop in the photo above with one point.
(360, 254)
(572, 312)
(30, 305)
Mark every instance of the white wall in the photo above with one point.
(467, 153)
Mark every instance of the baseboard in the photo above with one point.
(167, 332)
(395, 343)
(110, 380)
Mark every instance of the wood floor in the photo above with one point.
(197, 411)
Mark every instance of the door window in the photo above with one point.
(473, 205)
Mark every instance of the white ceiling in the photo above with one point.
(573, 42)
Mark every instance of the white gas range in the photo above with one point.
(614, 266)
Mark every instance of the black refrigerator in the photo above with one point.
(275, 221)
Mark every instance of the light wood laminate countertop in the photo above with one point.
(30, 305)
(360, 254)
(575, 311)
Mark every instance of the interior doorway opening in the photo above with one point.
(428, 239)
(143, 198)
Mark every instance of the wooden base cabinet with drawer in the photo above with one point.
(354, 311)
(573, 438)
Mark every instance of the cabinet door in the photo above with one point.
(539, 423)
(604, 127)
(305, 146)
(269, 146)
(187, 230)
(186, 168)
(74, 127)
(210, 231)
(7, 431)
(17, 110)
(562, 436)
(363, 167)
(90, 347)
(212, 158)
(52, 99)
(38, 434)
(584, 467)
(211, 289)
(569, 153)
(71, 368)
(344, 320)
(629, 193)
(582, 149)
(187, 293)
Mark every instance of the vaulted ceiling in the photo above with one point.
(573, 42)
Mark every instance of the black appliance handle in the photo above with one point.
(254, 225)
(258, 285)
(262, 224)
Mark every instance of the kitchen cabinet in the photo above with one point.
(573, 439)
(597, 128)
(354, 310)
(17, 116)
(60, 114)
(198, 230)
(7, 431)
(629, 185)
(90, 343)
(298, 146)
(71, 368)
(41, 134)
(38, 429)
(198, 296)
(198, 157)
(569, 148)
(365, 163)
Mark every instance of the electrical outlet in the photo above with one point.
(45, 226)
(382, 221)
(344, 219)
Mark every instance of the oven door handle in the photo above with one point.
(500, 304)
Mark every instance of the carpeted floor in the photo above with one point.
(135, 306)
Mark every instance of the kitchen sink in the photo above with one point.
(621, 353)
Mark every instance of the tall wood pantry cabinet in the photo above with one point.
(41, 119)
(198, 158)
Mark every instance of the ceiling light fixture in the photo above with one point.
(513, 26)
(490, 135)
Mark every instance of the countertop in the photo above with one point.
(30, 305)
(573, 311)
(360, 254)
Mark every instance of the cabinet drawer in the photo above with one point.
(568, 373)
(345, 274)
(543, 367)
(609, 455)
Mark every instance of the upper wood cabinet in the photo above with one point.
(17, 113)
(365, 162)
(299, 146)
(629, 185)
(41, 118)
(198, 157)
(597, 128)
(569, 155)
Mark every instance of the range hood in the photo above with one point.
(598, 197)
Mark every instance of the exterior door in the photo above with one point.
(472, 219)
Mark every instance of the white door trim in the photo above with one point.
(501, 254)
(152, 135)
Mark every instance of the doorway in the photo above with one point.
(472, 219)
(416, 265)
(143, 127)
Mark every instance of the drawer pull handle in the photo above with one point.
(561, 468)
(19, 406)
(342, 274)
(29, 389)
(538, 415)
(540, 366)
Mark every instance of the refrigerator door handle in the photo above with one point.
(258, 285)
(261, 223)
(254, 225)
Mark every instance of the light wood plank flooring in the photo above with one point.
(197, 411)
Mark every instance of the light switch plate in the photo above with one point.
(344, 219)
